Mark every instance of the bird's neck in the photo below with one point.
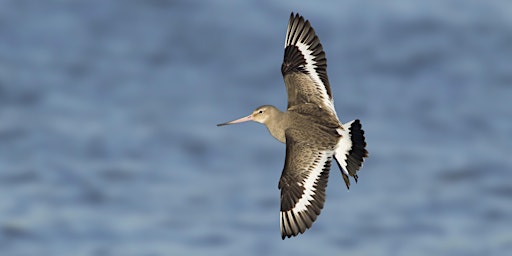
(276, 125)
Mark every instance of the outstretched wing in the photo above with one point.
(302, 183)
(304, 66)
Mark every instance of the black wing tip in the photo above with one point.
(293, 224)
(300, 20)
(300, 31)
(295, 15)
(284, 235)
(299, 222)
(301, 26)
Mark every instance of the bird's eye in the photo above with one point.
(260, 112)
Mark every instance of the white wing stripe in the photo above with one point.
(309, 183)
(311, 68)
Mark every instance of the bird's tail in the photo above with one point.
(351, 150)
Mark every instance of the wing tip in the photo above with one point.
(302, 204)
(304, 53)
(298, 29)
(295, 223)
(295, 15)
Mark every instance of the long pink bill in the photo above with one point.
(241, 120)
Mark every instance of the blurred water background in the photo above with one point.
(108, 144)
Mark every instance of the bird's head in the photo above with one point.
(260, 114)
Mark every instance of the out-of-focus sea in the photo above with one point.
(108, 143)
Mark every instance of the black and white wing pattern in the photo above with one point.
(304, 66)
(302, 183)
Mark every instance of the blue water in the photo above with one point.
(108, 144)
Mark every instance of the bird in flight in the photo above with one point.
(311, 130)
